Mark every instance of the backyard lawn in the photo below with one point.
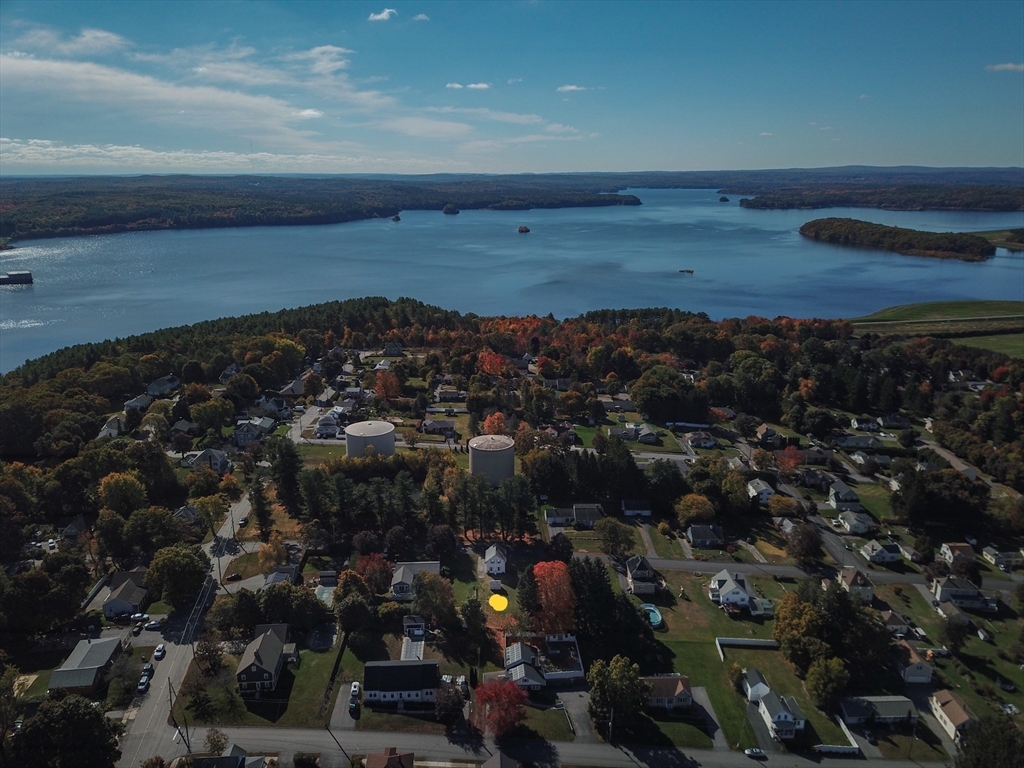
(667, 547)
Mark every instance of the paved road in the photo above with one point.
(337, 747)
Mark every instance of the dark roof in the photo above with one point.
(265, 652)
(400, 675)
(137, 575)
(636, 504)
(706, 532)
(234, 761)
(638, 563)
(753, 677)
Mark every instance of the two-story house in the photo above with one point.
(781, 714)
(952, 713)
(913, 668)
(760, 490)
(856, 583)
(842, 497)
(495, 559)
(955, 550)
(729, 589)
(261, 663)
(640, 576)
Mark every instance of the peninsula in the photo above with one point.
(908, 242)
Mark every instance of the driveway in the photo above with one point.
(764, 736)
(575, 701)
(700, 697)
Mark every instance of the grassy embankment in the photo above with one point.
(994, 325)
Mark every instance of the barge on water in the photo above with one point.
(16, 278)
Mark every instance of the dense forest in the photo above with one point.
(916, 197)
(58, 207)
(909, 242)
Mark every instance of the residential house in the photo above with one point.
(383, 365)
(640, 576)
(445, 393)
(864, 423)
(523, 666)
(895, 623)
(963, 594)
(139, 403)
(587, 515)
(618, 405)
(893, 421)
(910, 553)
(126, 599)
(729, 589)
(739, 463)
(768, 438)
(186, 427)
(882, 461)
(212, 459)
(760, 490)
(784, 524)
(754, 684)
(389, 758)
(1003, 560)
(558, 518)
(393, 349)
(327, 427)
(282, 574)
(188, 514)
(401, 580)
(950, 551)
(781, 714)
(414, 625)
(814, 479)
(857, 522)
(856, 583)
(859, 441)
(246, 433)
(877, 553)
(114, 426)
(890, 710)
(84, 670)
(952, 714)
(636, 508)
(706, 536)
(70, 528)
(261, 663)
(816, 455)
(913, 668)
(442, 427)
(232, 370)
(669, 692)
(495, 559)
(400, 682)
(163, 385)
(951, 612)
(701, 440)
(842, 497)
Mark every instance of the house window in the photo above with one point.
(266, 676)
(243, 677)
(253, 669)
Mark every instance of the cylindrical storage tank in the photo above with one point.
(493, 456)
(362, 434)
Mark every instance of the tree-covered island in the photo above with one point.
(908, 242)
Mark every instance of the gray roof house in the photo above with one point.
(212, 459)
(842, 497)
(754, 684)
(640, 576)
(128, 598)
(82, 672)
(400, 682)
(260, 666)
(706, 536)
(880, 709)
(402, 578)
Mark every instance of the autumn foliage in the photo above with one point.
(505, 705)
(556, 597)
(495, 424)
(376, 572)
(387, 387)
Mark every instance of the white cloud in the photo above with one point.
(426, 128)
(307, 113)
(89, 41)
(492, 145)
(478, 86)
(863, 96)
(559, 128)
(421, 17)
(384, 15)
(1007, 67)
(39, 155)
(515, 118)
(514, 80)
(326, 59)
(570, 88)
(454, 86)
(765, 133)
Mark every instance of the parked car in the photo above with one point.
(143, 685)
(137, 629)
(243, 522)
(159, 652)
(154, 624)
(51, 545)
(754, 752)
(233, 576)
(148, 670)
(354, 692)
(143, 617)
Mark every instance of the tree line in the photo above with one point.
(908, 242)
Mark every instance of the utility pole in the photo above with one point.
(174, 721)
(611, 726)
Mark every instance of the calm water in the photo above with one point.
(574, 260)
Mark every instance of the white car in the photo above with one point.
(51, 544)
(754, 752)
(159, 652)
(354, 693)
(140, 617)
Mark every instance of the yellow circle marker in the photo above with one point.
(498, 602)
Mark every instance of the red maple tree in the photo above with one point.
(556, 596)
(376, 572)
(495, 424)
(505, 705)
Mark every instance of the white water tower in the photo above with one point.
(362, 434)
(493, 456)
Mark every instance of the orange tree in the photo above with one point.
(505, 702)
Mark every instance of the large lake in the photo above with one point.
(574, 259)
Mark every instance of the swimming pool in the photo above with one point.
(653, 614)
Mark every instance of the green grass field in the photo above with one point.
(1011, 344)
(998, 238)
(943, 310)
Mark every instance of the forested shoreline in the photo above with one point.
(68, 206)
(907, 242)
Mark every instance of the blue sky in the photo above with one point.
(424, 87)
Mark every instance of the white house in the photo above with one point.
(670, 692)
(163, 385)
(636, 508)
(781, 714)
(495, 559)
(950, 551)
(754, 684)
(729, 589)
(640, 576)
(856, 583)
(913, 668)
(1004, 560)
(128, 598)
(139, 403)
(856, 522)
(842, 497)
(963, 594)
(951, 712)
(213, 459)
(701, 440)
(895, 623)
(880, 553)
(400, 682)
(760, 490)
